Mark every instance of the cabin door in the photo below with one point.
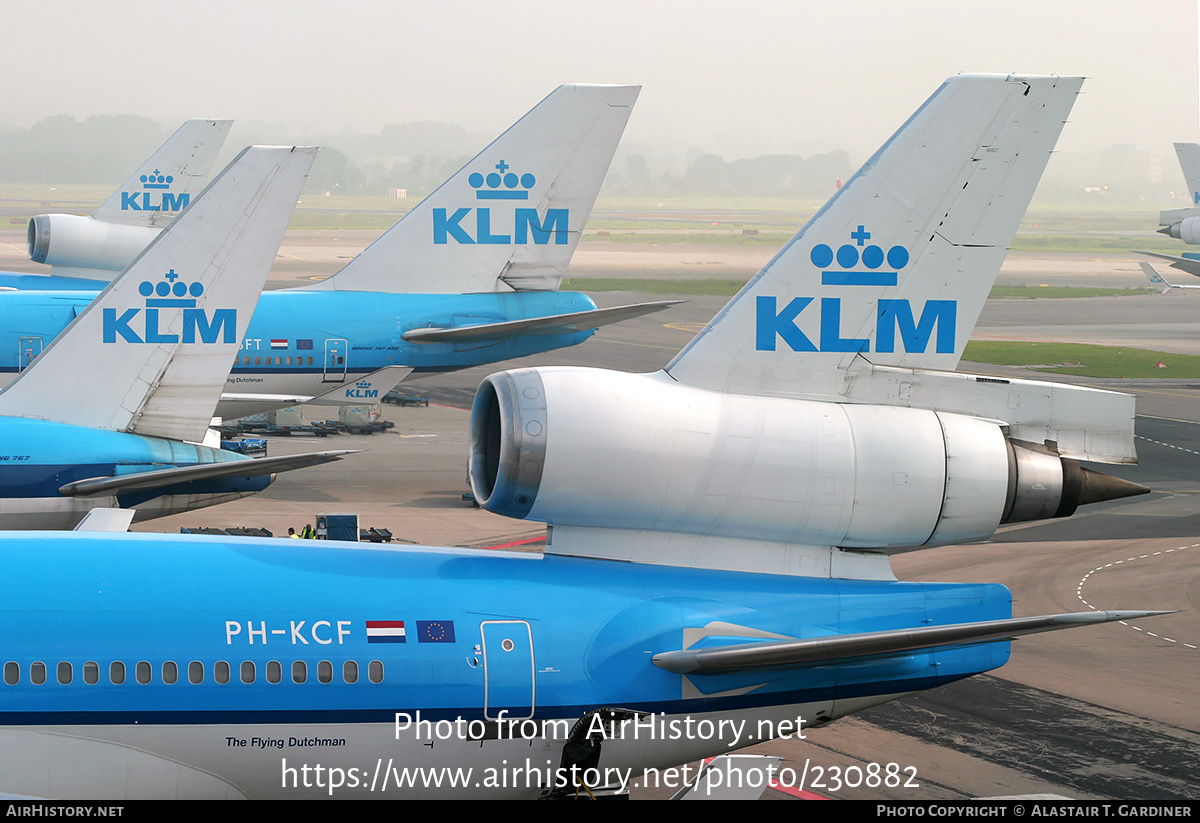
(507, 669)
(335, 362)
(27, 349)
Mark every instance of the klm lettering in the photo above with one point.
(140, 201)
(892, 316)
(197, 326)
(456, 227)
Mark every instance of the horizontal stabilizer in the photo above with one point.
(205, 471)
(820, 651)
(106, 520)
(554, 324)
(1189, 265)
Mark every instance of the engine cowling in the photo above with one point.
(1187, 230)
(85, 242)
(589, 447)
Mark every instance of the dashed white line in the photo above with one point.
(1084, 579)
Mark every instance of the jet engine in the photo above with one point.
(1187, 230)
(596, 448)
(85, 242)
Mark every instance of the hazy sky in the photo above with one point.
(736, 78)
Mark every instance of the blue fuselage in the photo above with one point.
(39, 457)
(303, 342)
(183, 647)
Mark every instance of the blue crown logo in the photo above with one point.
(172, 292)
(156, 180)
(502, 177)
(363, 384)
(849, 256)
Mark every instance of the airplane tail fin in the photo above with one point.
(151, 353)
(173, 175)
(1189, 162)
(512, 217)
(1156, 279)
(896, 267)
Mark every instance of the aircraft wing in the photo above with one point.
(819, 651)
(554, 324)
(158, 478)
(1189, 265)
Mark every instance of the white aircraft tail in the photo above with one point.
(512, 217)
(151, 353)
(893, 270)
(1189, 162)
(173, 175)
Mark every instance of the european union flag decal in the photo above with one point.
(304, 345)
(435, 631)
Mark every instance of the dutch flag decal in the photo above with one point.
(385, 631)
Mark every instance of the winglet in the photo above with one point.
(367, 389)
(151, 353)
(1155, 278)
(512, 217)
(896, 267)
(174, 174)
(106, 520)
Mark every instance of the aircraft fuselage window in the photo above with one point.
(144, 672)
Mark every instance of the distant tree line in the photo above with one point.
(63, 150)
(420, 156)
(769, 175)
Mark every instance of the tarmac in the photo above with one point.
(1101, 712)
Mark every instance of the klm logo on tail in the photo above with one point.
(199, 325)
(362, 389)
(155, 195)
(501, 184)
(858, 266)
